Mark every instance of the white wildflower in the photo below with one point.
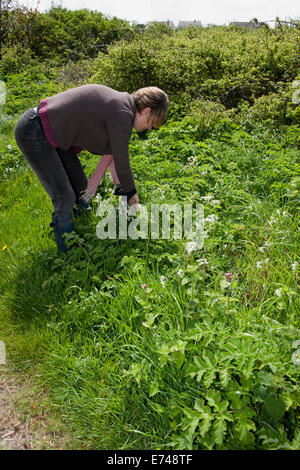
(192, 160)
(261, 249)
(259, 264)
(283, 214)
(190, 247)
(207, 198)
(278, 292)
(294, 266)
(162, 280)
(212, 218)
(273, 220)
(202, 262)
(9, 147)
(180, 273)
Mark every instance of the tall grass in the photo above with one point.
(137, 342)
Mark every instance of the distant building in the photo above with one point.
(188, 24)
(247, 24)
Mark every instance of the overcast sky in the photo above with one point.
(206, 11)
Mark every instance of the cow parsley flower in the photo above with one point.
(192, 160)
(212, 218)
(190, 247)
(202, 262)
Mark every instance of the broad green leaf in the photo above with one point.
(199, 405)
(243, 428)
(154, 389)
(219, 429)
(214, 398)
(199, 374)
(179, 359)
(209, 377)
(194, 334)
(163, 361)
(224, 377)
(275, 407)
(185, 281)
(158, 408)
(224, 284)
(204, 426)
(191, 420)
(265, 378)
(164, 349)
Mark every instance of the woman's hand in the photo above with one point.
(133, 200)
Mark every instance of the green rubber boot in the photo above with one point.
(62, 225)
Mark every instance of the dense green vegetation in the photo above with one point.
(140, 343)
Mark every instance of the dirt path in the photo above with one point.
(13, 433)
(25, 420)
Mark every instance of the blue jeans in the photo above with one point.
(59, 171)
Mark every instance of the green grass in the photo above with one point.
(172, 365)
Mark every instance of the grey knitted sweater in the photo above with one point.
(96, 118)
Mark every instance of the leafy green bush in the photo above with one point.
(64, 34)
(211, 63)
(274, 109)
(208, 116)
(14, 59)
(74, 73)
(26, 88)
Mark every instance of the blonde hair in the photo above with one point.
(154, 98)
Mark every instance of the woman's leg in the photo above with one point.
(46, 163)
(74, 170)
(48, 166)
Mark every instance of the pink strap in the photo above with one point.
(107, 161)
(46, 124)
(114, 175)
